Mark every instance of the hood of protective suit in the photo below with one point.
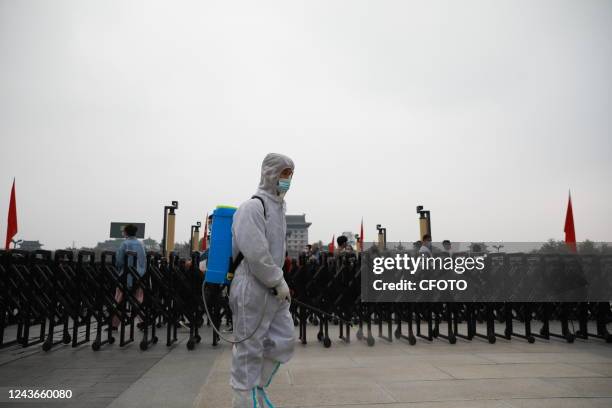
(273, 164)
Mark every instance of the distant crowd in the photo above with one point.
(424, 247)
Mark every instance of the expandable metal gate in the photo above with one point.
(64, 297)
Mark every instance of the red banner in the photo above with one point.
(11, 225)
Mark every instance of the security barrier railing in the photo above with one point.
(73, 298)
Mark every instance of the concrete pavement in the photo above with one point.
(389, 375)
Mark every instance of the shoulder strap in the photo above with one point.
(234, 263)
(262, 203)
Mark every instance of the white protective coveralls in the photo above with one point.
(262, 241)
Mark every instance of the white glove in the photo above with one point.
(282, 291)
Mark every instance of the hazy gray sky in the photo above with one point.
(486, 112)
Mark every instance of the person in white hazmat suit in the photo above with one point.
(258, 232)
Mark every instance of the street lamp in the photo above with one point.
(195, 236)
(382, 236)
(168, 237)
(424, 221)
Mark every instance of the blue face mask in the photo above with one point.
(283, 185)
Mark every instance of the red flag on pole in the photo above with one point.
(570, 232)
(203, 246)
(11, 225)
(332, 247)
(361, 237)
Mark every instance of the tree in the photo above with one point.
(151, 245)
(587, 247)
(183, 250)
(108, 245)
(605, 249)
(553, 247)
(479, 248)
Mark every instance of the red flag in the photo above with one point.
(203, 246)
(361, 236)
(332, 247)
(11, 225)
(570, 233)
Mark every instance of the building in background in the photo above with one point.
(107, 245)
(297, 234)
(30, 245)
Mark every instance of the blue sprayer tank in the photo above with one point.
(220, 251)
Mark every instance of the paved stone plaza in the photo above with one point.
(390, 375)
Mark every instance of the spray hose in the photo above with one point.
(263, 311)
(216, 330)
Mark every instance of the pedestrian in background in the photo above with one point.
(425, 249)
(343, 246)
(132, 244)
(448, 248)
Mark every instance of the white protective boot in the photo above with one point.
(245, 399)
(269, 368)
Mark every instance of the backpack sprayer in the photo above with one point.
(220, 263)
(221, 266)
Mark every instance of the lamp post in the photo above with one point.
(382, 236)
(424, 221)
(169, 222)
(195, 236)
